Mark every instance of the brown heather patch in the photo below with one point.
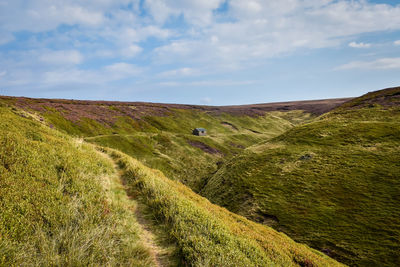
(106, 112)
(204, 147)
(386, 98)
(316, 107)
(100, 111)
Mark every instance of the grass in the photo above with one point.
(56, 207)
(169, 153)
(168, 147)
(179, 121)
(164, 140)
(332, 183)
(206, 234)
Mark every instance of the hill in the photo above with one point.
(56, 203)
(324, 172)
(62, 203)
(159, 135)
(332, 183)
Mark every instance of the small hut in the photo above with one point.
(199, 132)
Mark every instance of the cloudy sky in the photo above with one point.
(213, 52)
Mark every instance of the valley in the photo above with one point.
(324, 173)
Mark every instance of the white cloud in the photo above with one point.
(104, 53)
(42, 15)
(127, 39)
(179, 72)
(247, 34)
(270, 28)
(198, 12)
(107, 74)
(125, 52)
(131, 51)
(78, 14)
(264, 29)
(378, 64)
(122, 70)
(154, 31)
(62, 57)
(129, 35)
(19, 77)
(359, 45)
(70, 76)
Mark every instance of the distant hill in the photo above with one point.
(389, 97)
(316, 107)
(332, 183)
(105, 111)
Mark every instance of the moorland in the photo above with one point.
(306, 183)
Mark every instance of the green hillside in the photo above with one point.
(329, 181)
(208, 235)
(192, 159)
(160, 135)
(56, 203)
(332, 183)
(64, 204)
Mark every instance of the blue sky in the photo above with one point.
(214, 52)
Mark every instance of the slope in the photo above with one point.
(206, 234)
(57, 205)
(332, 183)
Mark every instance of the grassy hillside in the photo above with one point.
(56, 205)
(61, 204)
(192, 159)
(159, 135)
(332, 183)
(206, 234)
(93, 118)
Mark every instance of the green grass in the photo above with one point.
(162, 141)
(61, 204)
(206, 234)
(179, 121)
(332, 183)
(56, 207)
(168, 149)
(169, 153)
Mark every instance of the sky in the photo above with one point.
(212, 52)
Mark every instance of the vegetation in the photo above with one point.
(332, 183)
(61, 204)
(164, 140)
(206, 234)
(57, 205)
(190, 159)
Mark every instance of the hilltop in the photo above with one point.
(139, 109)
(387, 98)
